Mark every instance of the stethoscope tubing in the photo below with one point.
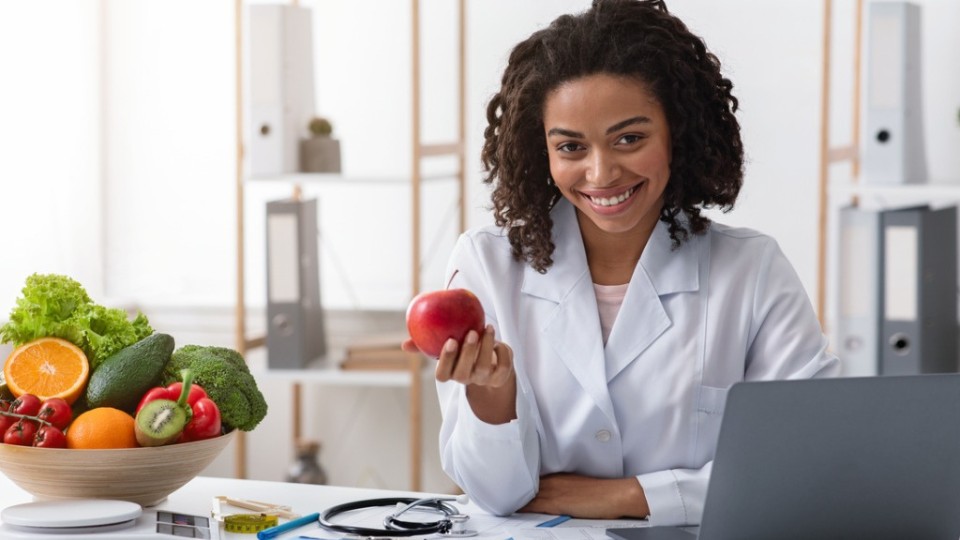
(392, 526)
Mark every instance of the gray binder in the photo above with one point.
(919, 296)
(295, 328)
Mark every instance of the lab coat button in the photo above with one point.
(603, 435)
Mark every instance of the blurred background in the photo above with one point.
(118, 167)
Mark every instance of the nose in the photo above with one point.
(603, 167)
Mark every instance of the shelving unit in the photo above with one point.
(834, 195)
(327, 372)
(830, 154)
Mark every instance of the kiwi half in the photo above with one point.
(160, 422)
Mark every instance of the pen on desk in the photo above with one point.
(274, 532)
(554, 522)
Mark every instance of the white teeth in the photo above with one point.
(601, 201)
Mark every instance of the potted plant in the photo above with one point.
(320, 153)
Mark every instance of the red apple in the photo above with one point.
(433, 317)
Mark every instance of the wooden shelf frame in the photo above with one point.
(243, 342)
(830, 154)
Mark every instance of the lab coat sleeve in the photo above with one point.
(676, 496)
(495, 465)
(784, 341)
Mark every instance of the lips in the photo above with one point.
(612, 198)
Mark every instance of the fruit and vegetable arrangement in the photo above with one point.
(86, 376)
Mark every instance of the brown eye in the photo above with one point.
(569, 147)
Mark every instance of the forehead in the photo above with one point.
(600, 97)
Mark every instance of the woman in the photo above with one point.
(618, 315)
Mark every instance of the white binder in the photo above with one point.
(893, 142)
(280, 86)
(858, 328)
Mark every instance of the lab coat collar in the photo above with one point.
(574, 328)
(667, 270)
(642, 318)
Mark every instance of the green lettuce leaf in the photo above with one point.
(53, 305)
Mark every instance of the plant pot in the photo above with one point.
(320, 155)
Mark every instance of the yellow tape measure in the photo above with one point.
(248, 523)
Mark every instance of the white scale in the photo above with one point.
(100, 519)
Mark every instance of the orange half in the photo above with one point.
(47, 367)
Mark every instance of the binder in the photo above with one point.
(295, 326)
(893, 142)
(859, 323)
(919, 295)
(280, 86)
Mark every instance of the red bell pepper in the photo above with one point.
(205, 422)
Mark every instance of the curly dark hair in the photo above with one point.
(639, 39)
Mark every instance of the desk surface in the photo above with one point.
(197, 496)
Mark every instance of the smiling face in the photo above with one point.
(609, 148)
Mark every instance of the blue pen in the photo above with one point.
(554, 522)
(274, 532)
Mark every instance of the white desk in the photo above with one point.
(196, 498)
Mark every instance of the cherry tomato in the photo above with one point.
(5, 423)
(49, 437)
(56, 411)
(21, 433)
(27, 405)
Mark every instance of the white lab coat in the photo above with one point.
(724, 307)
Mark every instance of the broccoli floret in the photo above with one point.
(224, 375)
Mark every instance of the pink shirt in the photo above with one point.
(609, 298)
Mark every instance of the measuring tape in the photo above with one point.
(248, 523)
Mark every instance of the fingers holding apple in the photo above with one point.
(434, 317)
(481, 360)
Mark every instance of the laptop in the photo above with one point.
(874, 457)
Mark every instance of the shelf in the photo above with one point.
(305, 178)
(430, 162)
(938, 194)
(326, 371)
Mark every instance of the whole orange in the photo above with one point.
(103, 427)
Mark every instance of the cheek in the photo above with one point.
(564, 173)
(655, 163)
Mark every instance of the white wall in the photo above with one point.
(148, 214)
(50, 196)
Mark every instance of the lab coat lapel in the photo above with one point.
(642, 317)
(573, 327)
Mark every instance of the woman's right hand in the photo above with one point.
(480, 361)
(485, 366)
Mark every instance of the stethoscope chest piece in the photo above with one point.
(457, 530)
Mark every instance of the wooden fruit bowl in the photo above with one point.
(141, 475)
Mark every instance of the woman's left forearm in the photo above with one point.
(589, 498)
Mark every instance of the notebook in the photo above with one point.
(875, 458)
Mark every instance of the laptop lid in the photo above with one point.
(874, 457)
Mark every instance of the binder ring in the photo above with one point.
(900, 343)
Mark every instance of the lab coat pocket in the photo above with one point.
(710, 412)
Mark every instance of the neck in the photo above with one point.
(612, 257)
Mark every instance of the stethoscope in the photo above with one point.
(452, 524)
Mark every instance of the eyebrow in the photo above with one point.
(616, 127)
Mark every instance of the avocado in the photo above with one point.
(124, 377)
